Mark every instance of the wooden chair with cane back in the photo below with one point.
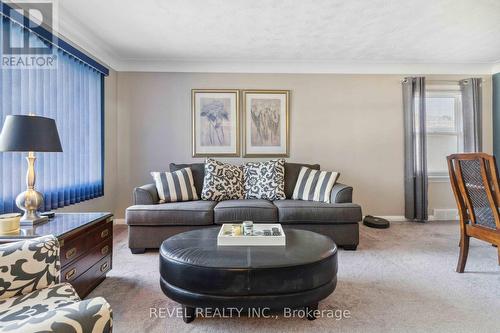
(474, 179)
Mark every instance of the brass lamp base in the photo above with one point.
(29, 201)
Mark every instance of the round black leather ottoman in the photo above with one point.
(197, 273)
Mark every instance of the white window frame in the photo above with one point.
(447, 92)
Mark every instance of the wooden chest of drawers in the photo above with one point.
(86, 241)
(86, 256)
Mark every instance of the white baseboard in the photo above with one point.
(446, 214)
(439, 215)
(119, 221)
(393, 218)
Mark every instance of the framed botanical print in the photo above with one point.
(266, 123)
(215, 120)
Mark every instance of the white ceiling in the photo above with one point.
(287, 35)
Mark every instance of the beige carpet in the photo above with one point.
(399, 280)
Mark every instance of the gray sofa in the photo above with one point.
(150, 222)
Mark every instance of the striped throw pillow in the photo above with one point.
(314, 185)
(175, 186)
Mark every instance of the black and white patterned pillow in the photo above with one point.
(265, 180)
(222, 181)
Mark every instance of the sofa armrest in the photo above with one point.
(29, 265)
(91, 315)
(341, 193)
(146, 195)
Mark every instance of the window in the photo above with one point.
(72, 94)
(444, 128)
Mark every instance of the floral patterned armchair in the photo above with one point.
(33, 300)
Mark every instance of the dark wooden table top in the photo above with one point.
(61, 226)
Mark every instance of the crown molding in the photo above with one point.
(310, 67)
(75, 33)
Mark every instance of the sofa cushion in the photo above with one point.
(175, 213)
(198, 170)
(265, 180)
(236, 211)
(223, 181)
(23, 267)
(292, 171)
(299, 212)
(56, 309)
(36, 302)
(175, 186)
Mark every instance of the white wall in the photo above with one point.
(349, 123)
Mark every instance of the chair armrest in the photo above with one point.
(341, 193)
(91, 315)
(146, 195)
(28, 265)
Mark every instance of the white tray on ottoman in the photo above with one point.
(254, 240)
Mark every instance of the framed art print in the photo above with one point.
(266, 123)
(215, 120)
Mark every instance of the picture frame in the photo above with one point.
(215, 122)
(266, 123)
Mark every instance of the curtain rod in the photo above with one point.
(443, 81)
(454, 82)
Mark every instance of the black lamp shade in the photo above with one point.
(29, 133)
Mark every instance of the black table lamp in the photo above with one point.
(30, 134)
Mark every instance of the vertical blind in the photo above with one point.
(72, 94)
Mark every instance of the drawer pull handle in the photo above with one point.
(105, 233)
(71, 253)
(104, 267)
(70, 274)
(105, 249)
